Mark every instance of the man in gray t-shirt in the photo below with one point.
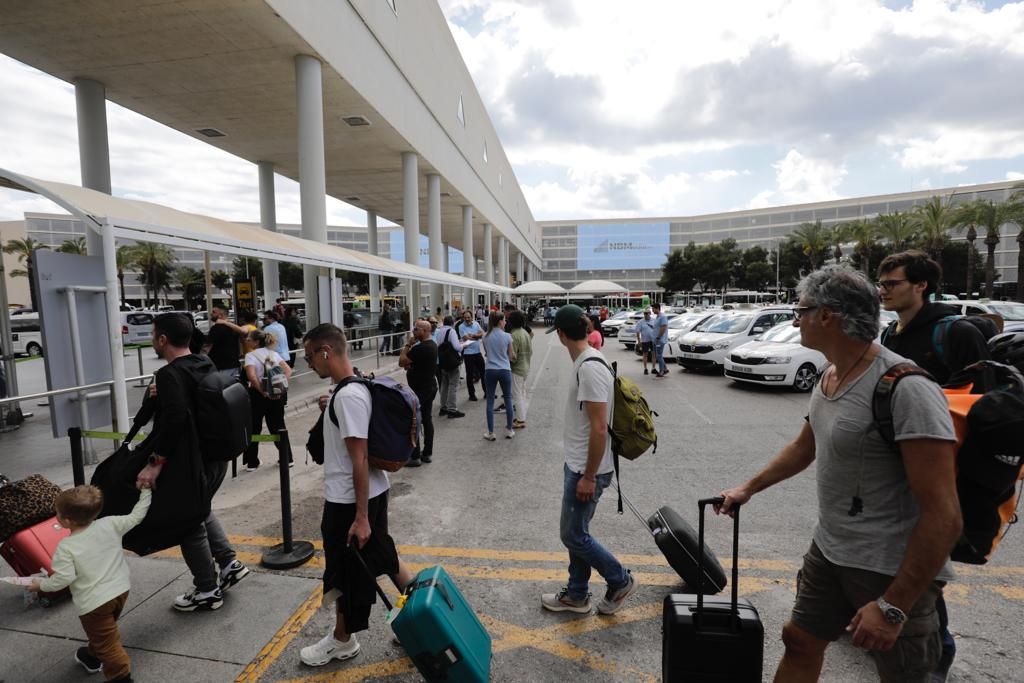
(887, 518)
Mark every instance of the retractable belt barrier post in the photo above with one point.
(77, 457)
(289, 553)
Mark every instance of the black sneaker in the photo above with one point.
(90, 663)
(472, 398)
(500, 409)
(415, 462)
(444, 411)
(425, 459)
(455, 414)
(645, 371)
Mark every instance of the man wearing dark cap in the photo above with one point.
(587, 472)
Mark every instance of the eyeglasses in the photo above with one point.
(800, 310)
(888, 284)
(309, 356)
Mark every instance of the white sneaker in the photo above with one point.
(327, 649)
(510, 434)
(489, 436)
(195, 600)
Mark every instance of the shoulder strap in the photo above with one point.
(940, 333)
(887, 332)
(881, 400)
(613, 368)
(344, 383)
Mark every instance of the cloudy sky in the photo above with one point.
(667, 108)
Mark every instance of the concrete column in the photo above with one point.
(446, 300)
(93, 147)
(371, 239)
(437, 253)
(520, 267)
(312, 174)
(468, 257)
(488, 254)
(411, 223)
(268, 221)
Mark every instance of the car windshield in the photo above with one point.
(621, 315)
(1008, 311)
(727, 324)
(782, 334)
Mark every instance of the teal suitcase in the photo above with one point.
(440, 632)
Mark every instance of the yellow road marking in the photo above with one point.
(280, 641)
(956, 593)
(357, 674)
(1011, 592)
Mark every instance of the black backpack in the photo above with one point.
(447, 357)
(989, 462)
(223, 415)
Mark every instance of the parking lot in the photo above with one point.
(489, 513)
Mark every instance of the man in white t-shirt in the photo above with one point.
(587, 472)
(356, 502)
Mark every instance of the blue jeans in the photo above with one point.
(492, 378)
(585, 552)
(659, 354)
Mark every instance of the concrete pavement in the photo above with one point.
(489, 513)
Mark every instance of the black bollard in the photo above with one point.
(290, 553)
(77, 457)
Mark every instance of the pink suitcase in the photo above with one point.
(31, 549)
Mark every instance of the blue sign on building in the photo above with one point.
(610, 246)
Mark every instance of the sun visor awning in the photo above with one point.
(148, 222)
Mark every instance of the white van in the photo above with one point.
(25, 335)
(137, 327)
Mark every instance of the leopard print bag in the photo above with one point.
(26, 502)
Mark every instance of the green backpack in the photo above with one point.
(632, 426)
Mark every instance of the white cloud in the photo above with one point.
(719, 174)
(1014, 175)
(949, 150)
(800, 180)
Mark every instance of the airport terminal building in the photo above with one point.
(631, 252)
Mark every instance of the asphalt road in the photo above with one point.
(489, 513)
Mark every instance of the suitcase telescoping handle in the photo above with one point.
(701, 504)
(359, 556)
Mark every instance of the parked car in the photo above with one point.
(709, 343)
(611, 326)
(627, 333)
(776, 359)
(137, 327)
(202, 320)
(1011, 312)
(679, 326)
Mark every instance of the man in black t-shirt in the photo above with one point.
(221, 342)
(419, 358)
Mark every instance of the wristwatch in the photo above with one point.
(893, 614)
(156, 459)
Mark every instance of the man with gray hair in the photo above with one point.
(887, 520)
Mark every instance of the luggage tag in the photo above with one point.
(393, 612)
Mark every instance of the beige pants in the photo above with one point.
(519, 396)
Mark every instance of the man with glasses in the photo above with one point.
(886, 522)
(906, 281)
(356, 503)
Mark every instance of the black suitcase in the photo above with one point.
(678, 542)
(712, 639)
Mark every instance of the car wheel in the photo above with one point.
(34, 350)
(806, 376)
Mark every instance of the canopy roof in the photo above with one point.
(598, 287)
(147, 222)
(539, 287)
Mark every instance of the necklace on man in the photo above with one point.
(849, 370)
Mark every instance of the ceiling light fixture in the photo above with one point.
(356, 120)
(210, 132)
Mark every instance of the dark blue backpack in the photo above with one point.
(394, 422)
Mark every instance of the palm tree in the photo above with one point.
(814, 239)
(933, 220)
(1018, 197)
(125, 259)
(864, 235)
(838, 236)
(992, 216)
(895, 228)
(155, 262)
(966, 216)
(75, 246)
(23, 248)
(185, 278)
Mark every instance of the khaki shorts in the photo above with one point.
(828, 596)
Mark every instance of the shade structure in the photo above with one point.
(539, 288)
(148, 222)
(598, 287)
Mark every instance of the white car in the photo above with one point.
(679, 326)
(1011, 312)
(778, 359)
(710, 342)
(627, 333)
(611, 326)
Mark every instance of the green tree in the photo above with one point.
(23, 249)
(719, 261)
(966, 216)
(956, 272)
(246, 268)
(675, 273)
(291, 277)
(187, 280)
(74, 246)
(932, 221)
(990, 216)
(220, 279)
(838, 235)
(897, 229)
(156, 264)
(125, 258)
(864, 235)
(794, 262)
(866, 261)
(758, 275)
(1018, 196)
(814, 239)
